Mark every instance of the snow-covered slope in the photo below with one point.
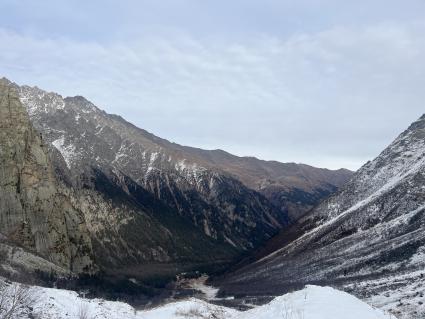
(369, 238)
(312, 302)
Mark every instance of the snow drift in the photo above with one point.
(313, 302)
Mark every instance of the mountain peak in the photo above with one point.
(418, 125)
(5, 81)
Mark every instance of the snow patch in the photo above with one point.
(68, 152)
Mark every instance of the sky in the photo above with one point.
(326, 83)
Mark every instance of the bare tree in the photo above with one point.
(15, 300)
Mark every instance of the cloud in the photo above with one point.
(331, 98)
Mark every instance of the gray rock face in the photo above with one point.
(369, 238)
(35, 211)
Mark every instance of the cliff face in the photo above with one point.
(35, 211)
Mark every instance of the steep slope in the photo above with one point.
(368, 238)
(221, 198)
(87, 137)
(135, 234)
(35, 212)
(107, 223)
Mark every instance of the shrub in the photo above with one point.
(15, 300)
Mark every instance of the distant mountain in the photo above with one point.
(152, 206)
(295, 188)
(368, 238)
(290, 186)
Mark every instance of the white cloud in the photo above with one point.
(332, 98)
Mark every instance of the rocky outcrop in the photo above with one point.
(369, 238)
(35, 211)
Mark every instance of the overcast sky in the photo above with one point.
(327, 83)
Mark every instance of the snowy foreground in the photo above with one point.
(313, 302)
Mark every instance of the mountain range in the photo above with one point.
(143, 206)
(84, 192)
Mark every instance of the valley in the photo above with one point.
(89, 202)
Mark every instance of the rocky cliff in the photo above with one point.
(35, 211)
